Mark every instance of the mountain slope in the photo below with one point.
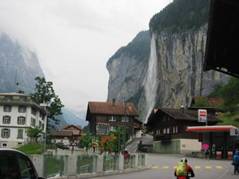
(17, 65)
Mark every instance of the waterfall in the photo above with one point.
(151, 81)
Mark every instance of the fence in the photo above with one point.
(75, 165)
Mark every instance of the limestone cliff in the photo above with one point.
(171, 71)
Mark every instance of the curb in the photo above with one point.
(106, 173)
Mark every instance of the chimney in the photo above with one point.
(113, 101)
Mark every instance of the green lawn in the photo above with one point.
(230, 119)
(32, 148)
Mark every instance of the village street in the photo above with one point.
(162, 167)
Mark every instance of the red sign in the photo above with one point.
(202, 115)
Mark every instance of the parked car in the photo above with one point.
(16, 165)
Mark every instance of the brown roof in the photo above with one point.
(184, 114)
(62, 133)
(76, 130)
(71, 125)
(109, 108)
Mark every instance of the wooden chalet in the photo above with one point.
(68, 135)
(169, 124)
(104, 117)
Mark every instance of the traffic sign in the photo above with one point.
(202, 115)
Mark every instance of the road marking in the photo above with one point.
(197, 167)
(155, 167)
(208, 167)
(175, 167)
(219, 167)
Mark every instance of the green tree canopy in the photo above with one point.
(34, 133)
(44, 93)
(230, 94)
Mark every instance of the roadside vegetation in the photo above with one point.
(32, 148)
(230, 95)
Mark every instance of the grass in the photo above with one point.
(229, 119)
(32, 148)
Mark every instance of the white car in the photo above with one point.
(16, 165)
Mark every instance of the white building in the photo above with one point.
(18, 113)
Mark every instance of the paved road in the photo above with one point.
(133, 146)
(162, 167)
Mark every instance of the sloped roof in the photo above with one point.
(76, 129)
(185, 114)
(62, 133)
(179, 114)
(110, 108)
(71, 125)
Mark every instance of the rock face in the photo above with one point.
(127, 69)
(170, 73)
(17, 65)
(180, 68)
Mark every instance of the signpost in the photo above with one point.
(202, 115)
(234, 132)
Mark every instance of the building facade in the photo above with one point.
(169, 129)
(18, 113)
(104, 117)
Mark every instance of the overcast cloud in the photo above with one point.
(73, 39)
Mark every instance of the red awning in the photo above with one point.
(222, 128)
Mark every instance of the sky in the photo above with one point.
(74, 39)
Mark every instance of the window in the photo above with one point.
(33, 122)
(40, 124)
(43, 126)
(176, 129)
(21, 120)
(112, 119)
(5, 133)
(7, 108)
(20, 134)
(102, 129)
(8, 98)
(6, 120)
(168, 130)
(164, 131)
(34, 111)
(22, 109)
(125, 119)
